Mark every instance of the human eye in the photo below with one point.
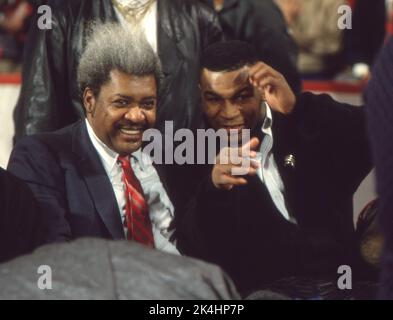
(213, 99)
(148, 104)
(120, 103)
(243, 97)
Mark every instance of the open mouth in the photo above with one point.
(131, 132)
(134, 133)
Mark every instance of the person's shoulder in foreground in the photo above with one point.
(101, 269)
(379, 106)
(21, 223)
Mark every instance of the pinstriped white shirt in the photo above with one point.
(268, 171)
(161, 210)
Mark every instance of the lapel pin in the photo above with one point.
(290, 161)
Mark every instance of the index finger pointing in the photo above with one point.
(251, 145)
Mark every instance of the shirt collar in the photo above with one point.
(268, 121)
(141, 159)
(109, 157)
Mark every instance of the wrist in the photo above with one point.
(290, 105)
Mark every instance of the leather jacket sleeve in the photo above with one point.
(210, 26)
(44, 92)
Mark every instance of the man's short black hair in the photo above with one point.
(228, 56)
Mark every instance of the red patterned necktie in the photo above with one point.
(137, 219)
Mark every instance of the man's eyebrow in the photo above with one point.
(149, 97)
(123, 96)
(211, 93)
(246, 89)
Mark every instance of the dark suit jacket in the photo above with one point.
(21, 223)
(50, 98)
(242, 231)
(66, 175)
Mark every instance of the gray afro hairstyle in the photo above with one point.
(110, 47)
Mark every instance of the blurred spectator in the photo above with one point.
(13, 16)
(366, 37)
(379, 102)
(261, 23)
(314, 27)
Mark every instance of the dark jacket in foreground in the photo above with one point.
(242, 231)
(50, 98)
(21, 223)
(379, 106)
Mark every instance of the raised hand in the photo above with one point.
(234, 163)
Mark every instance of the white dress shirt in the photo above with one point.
(268, 171)
(161, 209)
(148, 24)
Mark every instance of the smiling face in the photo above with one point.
(124, 108)
(229, 100)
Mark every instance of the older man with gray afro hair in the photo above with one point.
(92, 178)
(112, 47)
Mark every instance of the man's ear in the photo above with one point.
(89, 101)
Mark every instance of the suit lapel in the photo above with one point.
(97, 182)
(284, 146)
(169, 36)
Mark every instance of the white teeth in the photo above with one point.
(130, 131)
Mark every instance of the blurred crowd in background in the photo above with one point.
(14, 20)
(323, 50)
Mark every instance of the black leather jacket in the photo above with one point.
(50, 98)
